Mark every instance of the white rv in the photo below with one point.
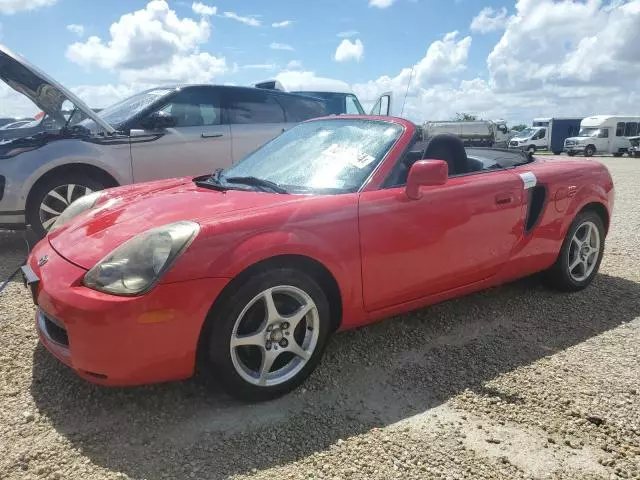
(603, 134)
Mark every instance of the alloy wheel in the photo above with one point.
(274, 336)
(584, 251)
(57, 200)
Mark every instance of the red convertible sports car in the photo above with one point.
(243, 275)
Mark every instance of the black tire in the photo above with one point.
(618, 154)
(589, 151)
(571, 154)
(558, 276)
(531, 149)
(41, 190)
(216, 360)
(557, 152)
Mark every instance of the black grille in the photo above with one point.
(3, 182)
(55, 331)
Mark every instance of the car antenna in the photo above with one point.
(407, 91)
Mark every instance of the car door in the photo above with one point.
(382, 105)
(198, 144)
(255, 117)
(454, 235)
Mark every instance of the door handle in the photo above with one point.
(504, 198)
(212, 135)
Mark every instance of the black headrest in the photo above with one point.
(448, 147)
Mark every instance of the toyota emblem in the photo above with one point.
(43, 260)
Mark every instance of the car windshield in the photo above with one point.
(335, 102)
(322, 156)
(116, 115)
(526, 133)
(588, 132)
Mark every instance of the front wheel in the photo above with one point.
(52, 197)
(589, 151)
(531, 149)
(268, 336)
(580, 255)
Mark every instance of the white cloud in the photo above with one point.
(251, 21)
(260, 66)
(15, 104)
(101, 96)
(284, 23)
(200, 8)
(306, 80)
(10, 7)
(76, 29)
(152, 44)
(551, 44)
(280, 46)
(347, 34)
(348, 50)
(489, 20)
(294, 65)
(381, 3)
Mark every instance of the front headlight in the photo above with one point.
(135, 266)
(81, 205)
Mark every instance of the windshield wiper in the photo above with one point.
(256, 182)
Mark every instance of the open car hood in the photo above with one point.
(41, 89)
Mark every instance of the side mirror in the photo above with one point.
(158, 121)
(425, 173)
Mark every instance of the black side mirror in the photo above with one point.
(158, 121)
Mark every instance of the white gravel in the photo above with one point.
(515, 382)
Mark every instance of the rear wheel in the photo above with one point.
(571, 154)
(580, 255)
(268, 336)
(589, 151)
(52, 197)
(618, 154)
(531, 149)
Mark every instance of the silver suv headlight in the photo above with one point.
(135, 266)
(81, 205)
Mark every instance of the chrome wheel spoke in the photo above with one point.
(298, 351)
(57, 196)
(267, 362)
(46, 208)
(295, 319)
(270, 306)
(584, 251)
(49, 223)
(575, 263)
(70, 189)
(245, 340)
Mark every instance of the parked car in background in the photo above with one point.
(604, 134)
(244, 275)
(16, 124)
(530, 139)
(478, 133)
(337, 102)
(158, 133)
(557, 131)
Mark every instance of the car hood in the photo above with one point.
(41, 89)
(122, 213)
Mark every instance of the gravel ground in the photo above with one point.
(515, 382)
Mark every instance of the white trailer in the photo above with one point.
(475, 133)
(604, 134)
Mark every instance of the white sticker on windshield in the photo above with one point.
(350, 155)
(529, 180)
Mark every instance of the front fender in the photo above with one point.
(601, 193)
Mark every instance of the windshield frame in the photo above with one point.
(219, 176)
(128, 124)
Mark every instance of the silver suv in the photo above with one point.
(158, 133)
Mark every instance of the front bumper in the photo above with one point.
(118, 341)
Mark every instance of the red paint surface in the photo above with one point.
(387, 253)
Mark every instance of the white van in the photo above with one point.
(530, 139)
(603, 134)
(480, 133)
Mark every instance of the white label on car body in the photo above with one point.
(529, 180)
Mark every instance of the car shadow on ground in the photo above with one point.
(371, 377)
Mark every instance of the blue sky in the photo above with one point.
(496, 58)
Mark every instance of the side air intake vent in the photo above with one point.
(535, 206)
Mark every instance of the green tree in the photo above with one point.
(465, 117)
